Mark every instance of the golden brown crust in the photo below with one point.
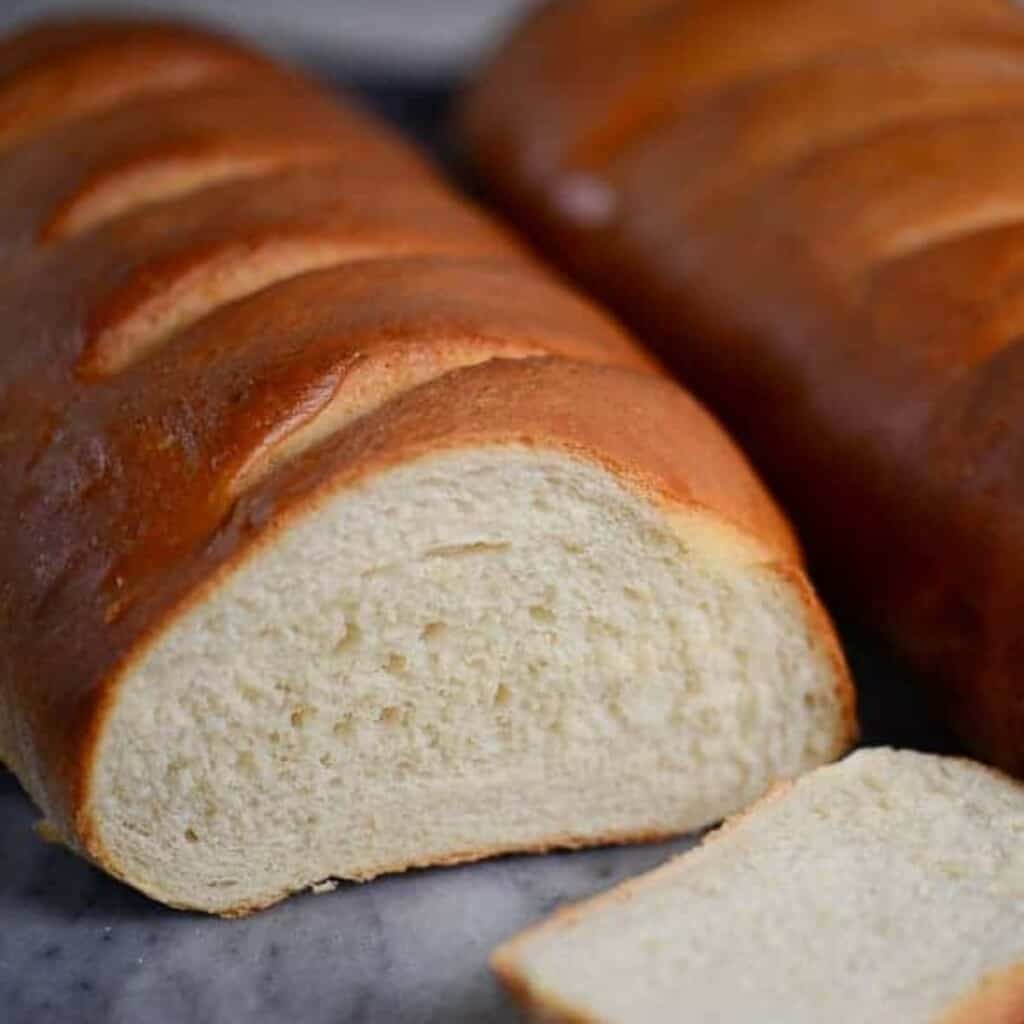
(247, 117)
(603, 413)
(998, 999)
(584, 79)
(816, 219)
(53, 72)
(145, 463)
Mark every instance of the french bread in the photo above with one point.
(886, 888)
(813, 212)
(338, 538)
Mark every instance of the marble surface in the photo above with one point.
(77, 947)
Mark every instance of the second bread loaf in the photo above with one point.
(813, 211)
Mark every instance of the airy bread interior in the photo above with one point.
(478, 650)
(884, 888)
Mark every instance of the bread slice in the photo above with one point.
(886, 888)
(338, 537)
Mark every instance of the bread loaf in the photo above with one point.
(338, 538)
(886, 888)
(813, 212)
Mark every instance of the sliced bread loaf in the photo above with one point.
(887, 888)
(337, 537)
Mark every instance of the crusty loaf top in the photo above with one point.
(211, 271)
(814, 211)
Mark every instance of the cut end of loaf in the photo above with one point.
(477, 651)
(885, 888)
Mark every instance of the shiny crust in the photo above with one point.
(818, 220)
(297, 126)
(137, 476)
(53, 72)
